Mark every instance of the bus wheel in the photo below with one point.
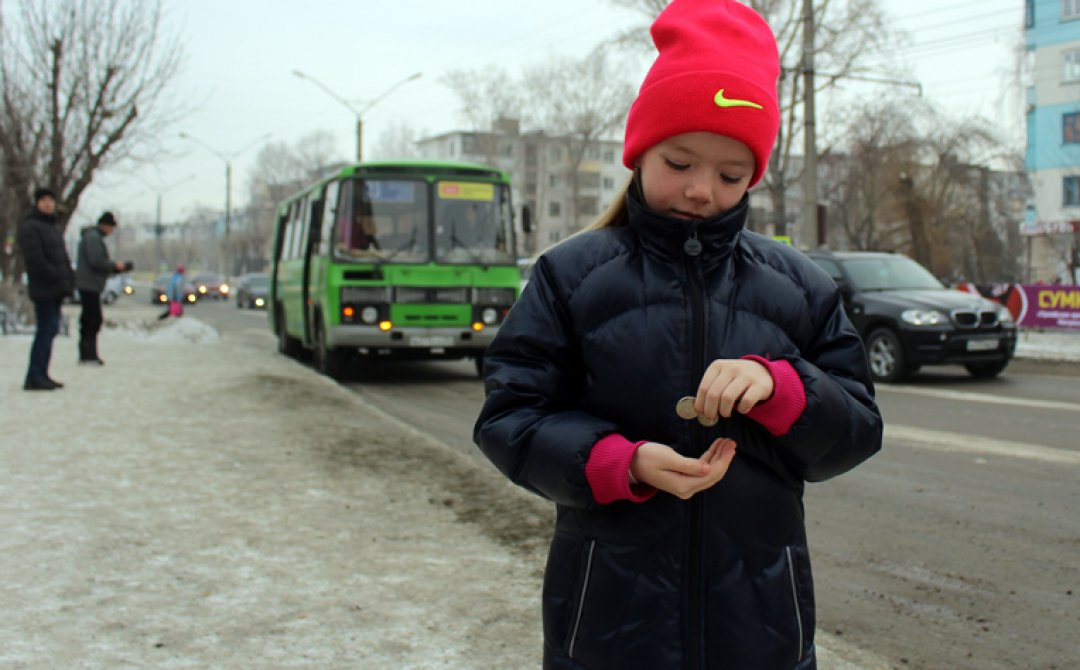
(479, 360)
(328, 360)
(288, 346)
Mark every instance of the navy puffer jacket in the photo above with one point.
(615, 326)
(48, 266)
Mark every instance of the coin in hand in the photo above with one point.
(685, 408)
(706, 421)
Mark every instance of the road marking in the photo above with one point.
(981, 397)
(955, 442)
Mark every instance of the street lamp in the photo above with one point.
(227, 158)
(358, 112)
(159, 227)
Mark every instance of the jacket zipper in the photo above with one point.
(795, 597)
(694, 635)
(581, 600)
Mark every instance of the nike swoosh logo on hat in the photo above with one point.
(723, 102)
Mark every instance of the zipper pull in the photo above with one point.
(692, 245)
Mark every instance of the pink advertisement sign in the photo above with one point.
(1036, 305)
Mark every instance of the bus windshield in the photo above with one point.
(473, 223)
(382, 220)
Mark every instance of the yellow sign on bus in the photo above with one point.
(466, 190)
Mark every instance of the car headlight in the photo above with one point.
(224, 288)
(923, 317)
(1005, 317)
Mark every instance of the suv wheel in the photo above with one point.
(986, 370)
(886, 356)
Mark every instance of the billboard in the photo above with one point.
(1036, 305)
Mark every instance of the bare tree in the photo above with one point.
(398, 141)
(487, 95)
(82, 87)
(862, 178)
(847, 33)
(281, 169)
(579, 102)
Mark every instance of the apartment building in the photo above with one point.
(1052, 220)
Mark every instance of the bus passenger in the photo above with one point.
(364, 230)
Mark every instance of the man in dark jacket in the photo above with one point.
(92, 270)
(51, 278)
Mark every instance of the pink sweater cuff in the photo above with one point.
(788, 401)
(608, 471)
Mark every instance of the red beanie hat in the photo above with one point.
(716, 72)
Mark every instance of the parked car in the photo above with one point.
(252, 291)
(211, 285)
(161, 282)
(116, 286)
(908, 318)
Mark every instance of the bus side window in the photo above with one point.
(329, 215)
(343, 218)
(303, 220)
(364, 231)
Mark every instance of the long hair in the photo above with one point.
(617, 215)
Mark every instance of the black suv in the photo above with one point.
(908, 318)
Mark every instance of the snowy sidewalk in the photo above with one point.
(205, 503)
(1049, 345)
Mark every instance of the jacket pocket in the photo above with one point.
(566, 578)
(800, 583)
(583, 593)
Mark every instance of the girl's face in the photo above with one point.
(695, 175)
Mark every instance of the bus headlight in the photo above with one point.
(369, 314)
(489, 315)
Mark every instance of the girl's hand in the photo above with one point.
(660, 466)
(729, 384)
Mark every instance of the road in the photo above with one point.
(954, 548)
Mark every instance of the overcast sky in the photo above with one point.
(241, 53)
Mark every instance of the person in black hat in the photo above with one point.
(50, 279)
(91, 271)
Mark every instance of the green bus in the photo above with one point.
(409, 260)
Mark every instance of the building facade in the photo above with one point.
(1052, 220)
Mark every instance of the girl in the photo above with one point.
(646, 351)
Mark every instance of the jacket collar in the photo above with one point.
(670, 237)
(36, 213)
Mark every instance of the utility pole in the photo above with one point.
(810, 233)
(359, 113)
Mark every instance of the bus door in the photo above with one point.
(313, 216)
(324, 211)
(278, 247)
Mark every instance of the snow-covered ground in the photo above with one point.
(1049, 345)
(202, 502)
